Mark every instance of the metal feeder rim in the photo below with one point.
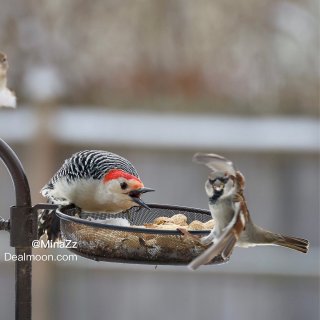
(63, 216)
(140, 262)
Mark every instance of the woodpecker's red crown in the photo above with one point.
(117, 173)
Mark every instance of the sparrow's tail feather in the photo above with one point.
(298, 244)
(264, 237)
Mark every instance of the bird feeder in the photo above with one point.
(95, 240)
(135, 243)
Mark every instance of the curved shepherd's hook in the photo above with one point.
(23, 229)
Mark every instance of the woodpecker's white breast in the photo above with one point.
(80, 192)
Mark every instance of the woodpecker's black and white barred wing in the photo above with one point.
(92, 164)
(215, 162)
(88, 164)
(225, 243)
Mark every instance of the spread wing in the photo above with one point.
(215, 162)
(224, 244)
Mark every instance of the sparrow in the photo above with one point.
(7, 97)
(233, 224)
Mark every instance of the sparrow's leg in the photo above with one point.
(206, 240)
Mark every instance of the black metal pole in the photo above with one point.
(22, 231)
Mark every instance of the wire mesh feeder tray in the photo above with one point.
(99, 241)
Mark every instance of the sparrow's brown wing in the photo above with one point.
(215, 162)
(225, 243)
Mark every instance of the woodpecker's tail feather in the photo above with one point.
(49, 224)
(294, 243)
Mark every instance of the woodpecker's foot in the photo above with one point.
(75, 209)
(186, 233)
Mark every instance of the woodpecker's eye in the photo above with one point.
(123, 185)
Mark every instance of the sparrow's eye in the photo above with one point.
(123, 185)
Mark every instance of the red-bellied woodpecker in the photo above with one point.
(95, 181)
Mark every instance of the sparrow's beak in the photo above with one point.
(135, 196)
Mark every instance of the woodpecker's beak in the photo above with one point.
(135, 196)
